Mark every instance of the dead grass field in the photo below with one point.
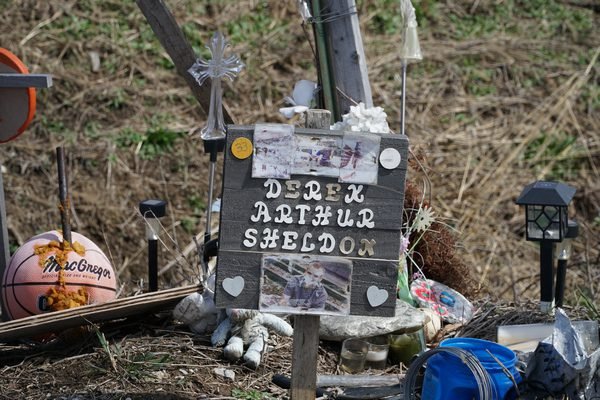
(507, 94)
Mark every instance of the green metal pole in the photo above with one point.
(327, 86)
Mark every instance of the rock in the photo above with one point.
(338, 328)
(228, 374)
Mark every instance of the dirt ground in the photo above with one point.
(507, 94)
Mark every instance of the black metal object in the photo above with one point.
(546, 271)
(152, 210)
(561, 268)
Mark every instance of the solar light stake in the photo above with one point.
(152, 210)
(212, 147)
(546, 221)
(563, 253)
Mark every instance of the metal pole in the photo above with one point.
(546, 275)
(4, 248)
(211, 188)
(63, 193)
(403, 102)
(561, 274)
(152, 265)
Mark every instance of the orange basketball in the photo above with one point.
(42, 276)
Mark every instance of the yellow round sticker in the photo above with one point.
(241, 148)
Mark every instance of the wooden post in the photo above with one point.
(347, 62)
(306, 327)
(172, 39)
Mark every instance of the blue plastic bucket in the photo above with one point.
(448, 378)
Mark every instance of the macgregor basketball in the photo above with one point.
(46, 275)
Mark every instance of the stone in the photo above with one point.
(228, 374)
(338, 328)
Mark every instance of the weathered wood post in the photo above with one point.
(171, 38)
(306, 327)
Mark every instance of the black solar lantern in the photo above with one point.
(546, 221)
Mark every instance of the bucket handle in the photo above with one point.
(506, 372)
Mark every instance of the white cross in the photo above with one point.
(217, 68)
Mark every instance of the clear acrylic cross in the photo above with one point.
(217, 68)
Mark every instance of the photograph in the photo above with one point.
(359, 155)
(274, 146)
(317, 155)
(302, 284)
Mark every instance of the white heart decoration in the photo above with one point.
(234, 286)
(376, 296)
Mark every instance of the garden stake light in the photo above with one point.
(546, 221)
(213, 133)
(410, 50)
(152, 210)
(563, 253)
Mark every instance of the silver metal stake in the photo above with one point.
(211, 186)
(403, 102)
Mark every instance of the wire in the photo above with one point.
(487, 390)
(324, 17)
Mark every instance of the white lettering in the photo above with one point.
(366, 247)
(250, 236)
(302, 208)
(355, 194)
(343, 242)
(314, 191)
(322, 216)
(274, 188)
(269, 239)
(328, 243)
(292, 189)
(305, 245)
(344, 219)
(289, 237)
(285, 212)
(263, 212)
(367, 219)
(332, 191)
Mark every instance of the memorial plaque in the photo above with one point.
(317, 229)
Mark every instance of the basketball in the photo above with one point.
(43, 276)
